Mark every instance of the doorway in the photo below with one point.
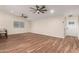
(71, 26)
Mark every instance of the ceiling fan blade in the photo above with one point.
(37, 7)
(32, 8)
(42, 7)
(44, 10)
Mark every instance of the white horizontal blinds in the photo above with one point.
(18, 24)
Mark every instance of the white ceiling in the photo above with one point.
(59, 10)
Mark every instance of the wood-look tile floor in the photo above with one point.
(35, 43)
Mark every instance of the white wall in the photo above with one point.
(6, 21)
(52, 27)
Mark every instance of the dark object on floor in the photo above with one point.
(3, 34)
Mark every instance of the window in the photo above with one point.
(18, 24)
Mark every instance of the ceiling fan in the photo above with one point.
(39, 9)
(22, 15)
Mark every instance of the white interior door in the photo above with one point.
(71, 27)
